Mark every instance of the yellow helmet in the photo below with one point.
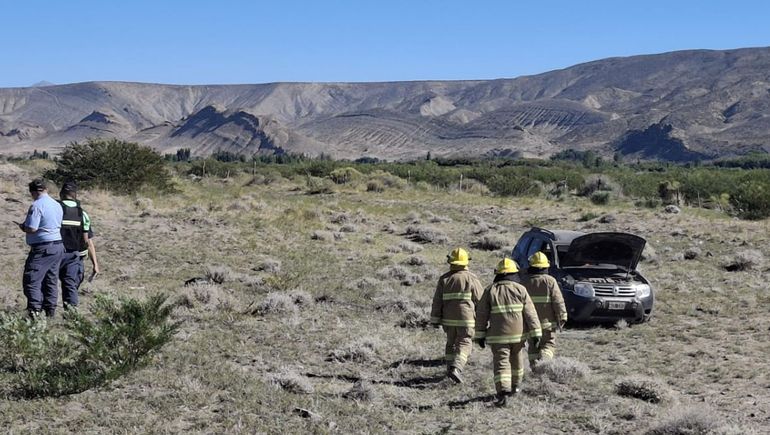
(458, 257)
(539, 261)
(506, 265)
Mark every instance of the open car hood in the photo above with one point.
(620, 249)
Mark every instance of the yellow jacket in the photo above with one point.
(454, 301)
(505, 314)
(544, 291)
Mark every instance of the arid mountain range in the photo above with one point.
(677, 106)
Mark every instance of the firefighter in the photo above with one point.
(549, 302)
(505, 317)
(457, 293)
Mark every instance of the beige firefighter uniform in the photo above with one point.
(505, 318)
(544, 291)
(457, 293)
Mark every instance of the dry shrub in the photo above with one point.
(473, 186)
(291, 382)
(409, 247)
(414, 318)
(367, 283)
(361, 391)
(268, 265)
(561, 369)
(426, 234)
(744, 260)
(277, 303)
(361, 351)
(205, 293)
(415, 260)
(348, 228)
(301, 298)
(436, 219)
(400, 273)
(393, 272)
(412, 217)
(649, 253)
(340, 218)
(693, 421)
(490, 243)
(642, 388)
(390, 228)
(323, 236)
(219, 274)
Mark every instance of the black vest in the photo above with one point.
(72, 228)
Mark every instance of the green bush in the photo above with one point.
(345, 175)
(600, 198)
(115, 165)
(752, 200)
(375, 186)
(318, 185)
(120, 337)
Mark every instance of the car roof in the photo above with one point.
(558, 236)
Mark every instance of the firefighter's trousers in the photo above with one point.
(459, 342)
(546, 349)
(508, 363)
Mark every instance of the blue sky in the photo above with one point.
(210, 42)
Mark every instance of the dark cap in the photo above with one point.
(69, 187)
(37, 185)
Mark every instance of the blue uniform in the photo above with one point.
(41, 270)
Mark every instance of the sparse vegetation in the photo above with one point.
(292, 312)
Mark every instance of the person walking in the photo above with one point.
(505, 318)
(549, 303)
(41, 270)
(454, 301)
(77, 236)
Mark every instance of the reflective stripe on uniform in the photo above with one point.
(465, 323)
(456, 296)
(541, 299)
(68, 223)
(518, 374)
(503, 377)
(512, 308)
(546, 325)
(505, 339)
(535, 333)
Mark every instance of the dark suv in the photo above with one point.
(596, 271)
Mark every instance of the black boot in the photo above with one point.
(502, 399)
(454, 374)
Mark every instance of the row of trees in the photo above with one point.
(126, 167)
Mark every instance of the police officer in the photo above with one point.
(77, 236)
(41, 270)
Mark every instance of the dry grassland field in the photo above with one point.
(310, 316)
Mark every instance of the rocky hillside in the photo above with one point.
(675, 106)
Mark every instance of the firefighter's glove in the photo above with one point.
(535, 342)
(482, 342)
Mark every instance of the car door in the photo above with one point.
(520, 250)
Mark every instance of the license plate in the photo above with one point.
(617, 306)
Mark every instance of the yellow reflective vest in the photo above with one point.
(505, 314)
(454, 301)
(544, 291)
